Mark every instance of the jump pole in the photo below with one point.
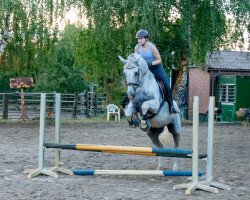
(134, 172)
(52, 172)
(145, 151)
(195, 183)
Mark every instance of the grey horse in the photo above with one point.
(148, 103)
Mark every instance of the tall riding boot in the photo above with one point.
(169, 99)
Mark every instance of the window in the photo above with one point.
(226, 93)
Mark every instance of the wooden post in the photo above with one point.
(5, 106)
(23, 113)
(74, 113)
(87, 105)
(21, 83)
(95, 104)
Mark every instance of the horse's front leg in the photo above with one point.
(152, 106)
(129, 109)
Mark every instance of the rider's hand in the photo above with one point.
(150, 64)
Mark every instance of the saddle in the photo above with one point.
(162, 89)
(165, 95)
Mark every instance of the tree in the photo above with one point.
(200, 27)
(5, 34)
(64, 75)
(29, 32)
(204, 28)
(184, 31)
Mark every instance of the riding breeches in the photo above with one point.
(159, 73)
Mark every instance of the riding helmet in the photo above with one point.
(142, 34)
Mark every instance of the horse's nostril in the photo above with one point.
(131, 96)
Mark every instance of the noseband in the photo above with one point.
(135, 85)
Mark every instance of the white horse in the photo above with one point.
(148, 102)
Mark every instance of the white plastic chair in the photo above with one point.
(113, 110)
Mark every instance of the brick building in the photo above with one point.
(227, 78)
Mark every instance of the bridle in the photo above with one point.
(133, 84)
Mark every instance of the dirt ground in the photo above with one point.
(19, 151)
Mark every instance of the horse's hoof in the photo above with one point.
(144, 125)
(175, 167)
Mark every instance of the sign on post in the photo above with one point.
(21, 83)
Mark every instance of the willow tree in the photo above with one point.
(203, 29)
(29, 31)
(111, 32)
(185, 31)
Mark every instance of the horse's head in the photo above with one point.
(134, 69)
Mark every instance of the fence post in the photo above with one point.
(5, 106)
(87, 105)
(95, 104)
(82, 100)
(74, 113)
(54, 103)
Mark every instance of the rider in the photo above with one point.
(151, 55)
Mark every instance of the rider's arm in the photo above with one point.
(156, 55)
(136, 49)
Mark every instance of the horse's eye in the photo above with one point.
(136, 73)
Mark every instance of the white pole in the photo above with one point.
(42, 130)
(210, 149)
(57, 128)
(195, 184)
(210, 139)
(41, 169)
(57, 167)
(195, 139)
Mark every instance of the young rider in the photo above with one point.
(151, 55)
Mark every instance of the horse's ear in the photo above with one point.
(122, 60)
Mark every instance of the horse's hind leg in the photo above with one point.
(176, 137)
(153, 134)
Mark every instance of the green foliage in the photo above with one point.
(68, 61)
(5, 81)
(64, 75)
